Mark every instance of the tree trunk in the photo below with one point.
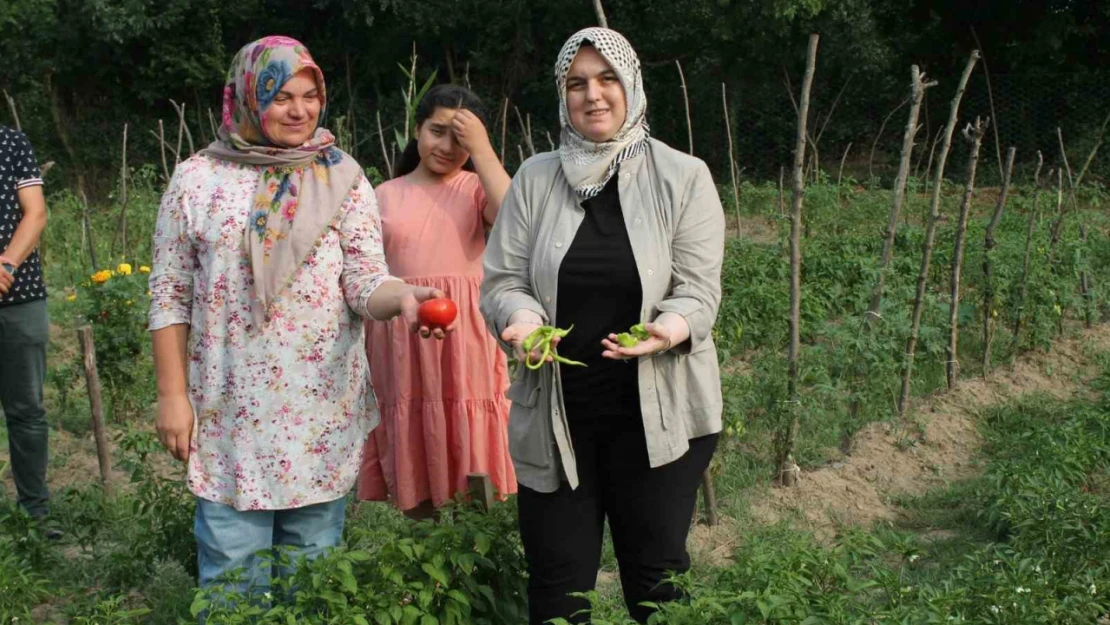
(930, 234)
(1029, 229)
(788, 468)
(974, 135)
(917, 90)
(988, 277)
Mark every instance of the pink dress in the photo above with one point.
(444, 412)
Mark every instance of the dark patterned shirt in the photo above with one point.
(18, 169)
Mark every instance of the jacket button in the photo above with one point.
(558, 244)
(651, 272)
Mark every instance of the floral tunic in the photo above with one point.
(281, 411)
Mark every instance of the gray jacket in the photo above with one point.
(676, 226)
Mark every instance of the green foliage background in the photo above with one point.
(85, 67)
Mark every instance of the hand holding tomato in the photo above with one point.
(429, 312)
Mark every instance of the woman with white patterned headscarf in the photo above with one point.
(611, 231)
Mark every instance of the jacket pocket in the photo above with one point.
(530, 436)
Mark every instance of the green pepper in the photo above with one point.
(540, 340)
(627, 340)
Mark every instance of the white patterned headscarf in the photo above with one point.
(588, 165)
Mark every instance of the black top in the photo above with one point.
(599, 294)
(18, 169)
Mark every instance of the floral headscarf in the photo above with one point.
(301, 189)
(588, 165)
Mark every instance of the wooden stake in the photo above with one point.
(162, 145)
(92, 383)
(212, 125)
(385, 155)
(974, 135)
(1084, 281)
(600, 11)
(788, 468)
(871, 158)
(481, 489)
(918, 86)
(988, 275)
(504, 124)
(15, 114)
(88, 229)
(526, 131)
(731, 159)
(709, 499)
(123, 196)
(840, 172)
(930, 235)
(1024, 291)
(782, 194)
(686, 100)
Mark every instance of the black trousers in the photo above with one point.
(649, 512)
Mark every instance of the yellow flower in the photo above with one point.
(72, 297)
(124, 269)
(101, 276)
(144, 269)
(129, 302)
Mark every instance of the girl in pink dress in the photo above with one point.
(443, 405)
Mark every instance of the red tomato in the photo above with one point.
(437, 313)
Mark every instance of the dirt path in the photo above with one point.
(935, 446)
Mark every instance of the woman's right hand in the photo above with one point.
(516, 333)
(175, 424)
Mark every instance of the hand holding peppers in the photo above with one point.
(641, 340)
(534, 345)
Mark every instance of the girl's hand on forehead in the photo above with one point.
(471, 133)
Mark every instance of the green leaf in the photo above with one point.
(435, 573)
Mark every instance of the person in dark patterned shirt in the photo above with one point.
(23, 320)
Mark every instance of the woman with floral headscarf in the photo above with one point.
(267, 255)
(612, 230)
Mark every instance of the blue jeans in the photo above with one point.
(230, 541)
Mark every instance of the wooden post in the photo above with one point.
(918, 85)
(686, 99)
(709, 497)
(989, 244)
(15, 114)
(930, 235)
(788, 469)
(731, 159)
(481, 489)
(600, 11)
(92, 381)
(389, 173)
(974, 135)
(504, 123)
(1020, 306)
